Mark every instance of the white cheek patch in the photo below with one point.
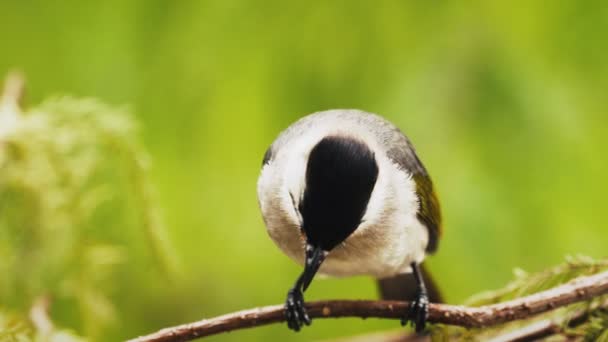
(375, 205)
(394, 191)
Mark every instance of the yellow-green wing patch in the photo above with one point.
(429, 212)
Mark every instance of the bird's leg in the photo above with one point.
(418, 312)
(295, 312)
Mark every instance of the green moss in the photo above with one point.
(73, 195)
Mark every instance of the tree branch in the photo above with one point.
(577, 290)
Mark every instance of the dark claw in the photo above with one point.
(418, 312)
(295, 312)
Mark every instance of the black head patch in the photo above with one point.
(340, 176)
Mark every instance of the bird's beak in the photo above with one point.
(314, 259)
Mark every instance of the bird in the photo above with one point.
(343, 193)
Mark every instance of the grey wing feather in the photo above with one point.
(401, 151)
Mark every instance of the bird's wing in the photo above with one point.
(402, 153)
(429, 212)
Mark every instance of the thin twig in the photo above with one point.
(577, 290)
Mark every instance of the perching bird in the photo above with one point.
(343, 192)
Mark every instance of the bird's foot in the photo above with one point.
(295, 312)
(418, 312)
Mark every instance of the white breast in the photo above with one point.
(390, 236)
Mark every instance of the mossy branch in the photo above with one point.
(577, 290)
(78, 212)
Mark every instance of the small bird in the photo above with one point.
(342, 192)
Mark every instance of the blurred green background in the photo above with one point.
(505, 102)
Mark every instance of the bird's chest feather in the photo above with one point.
(390, 236)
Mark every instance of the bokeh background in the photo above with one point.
(505, 101)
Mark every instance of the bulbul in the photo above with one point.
(343, 193)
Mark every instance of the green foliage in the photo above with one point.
(14, 329)
(595, 329)
(526, 284)
(75, 211)
(594, 312)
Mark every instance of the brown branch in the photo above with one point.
(534, 331)
(577, 290)
(548, 327)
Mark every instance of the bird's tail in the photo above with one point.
(404, 287)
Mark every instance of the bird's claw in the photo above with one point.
(418, 312)
(295, 312)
